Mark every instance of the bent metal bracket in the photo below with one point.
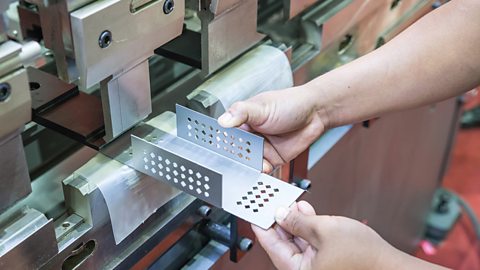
(221, 166)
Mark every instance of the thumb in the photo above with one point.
(298, 224)
(243, 112)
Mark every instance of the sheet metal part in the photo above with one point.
(183, 174)
(232, 143)
(245, 191)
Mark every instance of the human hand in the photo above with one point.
(286, 118)
(302, 240)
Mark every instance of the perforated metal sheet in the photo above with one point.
(258, 201)
(187, 176)
(243, 191)
(233, 143)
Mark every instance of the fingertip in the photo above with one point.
(306, 208)
(281, 214)
(267, 167)
(225, 120)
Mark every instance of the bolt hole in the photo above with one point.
(34, 86)
(168, 6)
(105, 39)
(5, 91)
(65, 224)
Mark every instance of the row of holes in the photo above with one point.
(218, 140)
(217, 131)
(179, 173)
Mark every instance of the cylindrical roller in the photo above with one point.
(262, 69)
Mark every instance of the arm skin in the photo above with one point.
(436, 58)
(302, 240)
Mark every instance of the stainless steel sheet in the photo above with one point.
(233, 143)
(244, 191)
(179, 172)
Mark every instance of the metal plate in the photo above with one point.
(185, 175)
(257, 202)
(245, 192)
(233, 143)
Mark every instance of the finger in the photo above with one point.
(306, 208)
(302, 205)
(282, 233)
(243, 112)
(267, 167)
(298, 224)
(246, 127)
(301, 243)
(280, 251)
(271, 154)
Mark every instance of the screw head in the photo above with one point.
(5, 91)
(105, 39)
(168, 6)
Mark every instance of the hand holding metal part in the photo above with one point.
(220, 166)
(286, 118)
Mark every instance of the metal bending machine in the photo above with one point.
(80, 78)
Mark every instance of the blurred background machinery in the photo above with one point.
(77, 77)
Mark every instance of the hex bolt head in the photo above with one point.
(204, 211)
(105, 39)
(245, 244)
(168, 6)
(5, 91)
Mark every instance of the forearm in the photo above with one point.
(436, 58)
(395, 259)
